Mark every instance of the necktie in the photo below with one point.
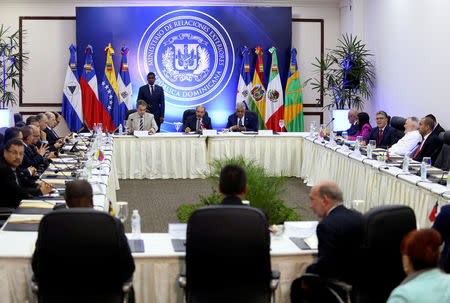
(151, 90)
(240, 121)
(141, 123)
(418, 149)
(379, 136)
(16, 177)
(198, 125)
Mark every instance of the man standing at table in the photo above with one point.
(14, 185)
(384, 135)
(240, 121)
(199, 122)
(154, 96)
(141, 120)
(339, 233)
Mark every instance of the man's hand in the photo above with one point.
(363, 143)
(161, 119)
(45, 188)
(57, 145)
(188, 130)
(152, 130)
(42, 150)
(235, 127)
(51, 155)
(130, 130)
(242, 128)
(32, 170)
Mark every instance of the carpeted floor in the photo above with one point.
(158, 200)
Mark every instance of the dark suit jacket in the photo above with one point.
(52, 137)
(32, 158)
(437, 130)
(155, 101)
(231, 200)
(12, 193)
(430, 148)
(250, 123)
(352, 130)
(340, 238)
(191, 122)
(388, 138)
(442, 225)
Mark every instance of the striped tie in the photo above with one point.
(141, 124)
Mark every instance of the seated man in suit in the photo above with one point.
(199, 122)
(339, 234)
(141, 120)
(52, 137)
(384, 135)
(410, 140)
(233, 184)
(78, 193)
(437, 128)
(239, 121)
(31, 158)
(352, 118)
(430, 145)
(14, 185)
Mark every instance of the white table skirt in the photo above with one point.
(160, 157)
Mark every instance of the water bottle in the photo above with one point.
(405, 164)
(136, 224)
(423, 171)
(120, 130)
(448, 180)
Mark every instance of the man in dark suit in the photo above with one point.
(78, 193)
(199, 122)
(33, 156)
(430, 146)
(14, 185)
(339, 234)
(240, 121)
(153, 95)
(352, 116)
(384, 135)
(437, 128)
(233, 184)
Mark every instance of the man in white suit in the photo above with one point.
(141, 120)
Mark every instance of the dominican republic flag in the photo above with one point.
(245, 78)
(109, 93)
(274, 95)
(124, 85)
(93, 110)
(72, 108)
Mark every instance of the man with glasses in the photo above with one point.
(384, 135)
(14, 186)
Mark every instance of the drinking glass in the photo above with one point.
(345, 136)
(281, 124)
(177, 125)
(358, 205)
(122, 211)
(426, 160)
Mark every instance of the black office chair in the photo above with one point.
(129, 112)
(228, 256)
(18, 120)
(399, 124)
(189, 113)
(381, 270)
(443, 160)
(81, 255)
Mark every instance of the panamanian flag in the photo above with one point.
(93, 110)
(109, 93)
(245, 78)
(72, 108)
(124, 85)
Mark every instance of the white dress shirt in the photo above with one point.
(406, 144)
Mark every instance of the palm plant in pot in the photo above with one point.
(348, 74)
(10, 58)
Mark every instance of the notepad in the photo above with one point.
(61, 173)
(55, 181)
(136, 245)
(41, 204)
(25, 219)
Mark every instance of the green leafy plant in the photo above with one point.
(10, 58)
(264, 192)
(348, 74)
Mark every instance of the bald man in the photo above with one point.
(352, 116)
(339, 234)
(79, 194)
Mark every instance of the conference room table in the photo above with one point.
(176, 155)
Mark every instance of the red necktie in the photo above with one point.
(418, 149)
(379, 136)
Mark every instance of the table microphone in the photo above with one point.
(73, 173)
(326, 126)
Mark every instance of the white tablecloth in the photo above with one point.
(157, 270)
(160, 156)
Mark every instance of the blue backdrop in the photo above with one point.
(194, 51)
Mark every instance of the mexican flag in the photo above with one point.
(274, 96)
(257, 98)
(293, 103)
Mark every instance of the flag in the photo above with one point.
(100, 156)
(109, 93)
(72, 109)
(323, 132)
(124, 86)
(93, 110)
(293, 102)
(245, 79)
(432, 216)
(257, 98)
(111, 209)
(274, 96)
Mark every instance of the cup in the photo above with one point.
(122, 211)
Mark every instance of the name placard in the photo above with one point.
(141, 133)
(265, 132)
(209, 132)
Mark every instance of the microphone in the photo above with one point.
(326, 126)
(68, 167)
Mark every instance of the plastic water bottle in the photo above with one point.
(423, 171)
(120, 130)
(448, 180)
(136, 224)
(405, 164)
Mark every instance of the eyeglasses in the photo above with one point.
(13, 152)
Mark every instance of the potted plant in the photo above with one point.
(10, 57)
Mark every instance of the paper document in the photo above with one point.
(177, 230)
(312, 242)
(25, 219)
(39, 204)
